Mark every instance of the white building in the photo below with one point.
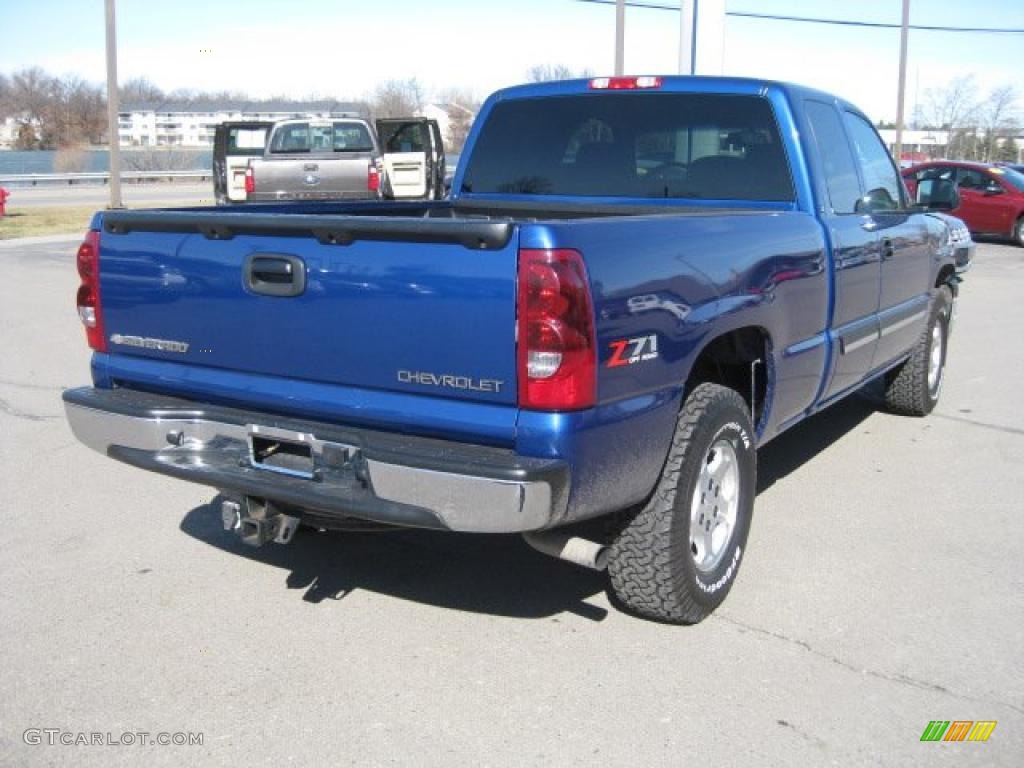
(8, 133)
(917, 145)
(192, 123)
(446, 115)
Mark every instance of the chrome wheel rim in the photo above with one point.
(935, 359)
(714, 507)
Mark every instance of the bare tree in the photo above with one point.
(184, 94)
(82, 112)
(542, 73)
(997, 121)
(31, 101)
(140, 89)
(5, 97)
(461, 106)
(1007, 151)
(54, 112)
(397, 98)
(953, 108)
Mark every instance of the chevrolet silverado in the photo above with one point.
(635, 283)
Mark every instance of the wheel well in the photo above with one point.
(945, 273)
(727, 360)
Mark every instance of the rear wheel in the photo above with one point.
(676, 559)
(1018, 231)
(913, 388)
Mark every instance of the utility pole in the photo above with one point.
(620, 37)
(113, 137)
(901, 95)
(687, 37)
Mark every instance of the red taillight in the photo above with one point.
(557, 352)
(372, 178)
(624, 83)
(89, 308)
(250, 181)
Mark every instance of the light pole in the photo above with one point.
(620, 37)
(900, 96)
(687, 32)
(113, 137)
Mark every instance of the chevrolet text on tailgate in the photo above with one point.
(635, 283)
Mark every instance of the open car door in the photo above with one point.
(413, 158)
(234, 143)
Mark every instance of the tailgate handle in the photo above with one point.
(274, 274)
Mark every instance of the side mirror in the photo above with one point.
(938, 195)
(993, 188)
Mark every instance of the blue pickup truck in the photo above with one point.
(635, 283)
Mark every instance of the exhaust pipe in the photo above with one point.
(257, 521)
(589, 554)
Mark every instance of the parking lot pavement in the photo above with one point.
(883, 587)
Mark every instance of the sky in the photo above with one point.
(343, 48)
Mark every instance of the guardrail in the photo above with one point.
(100, 177)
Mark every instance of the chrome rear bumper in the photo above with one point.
(387, 478)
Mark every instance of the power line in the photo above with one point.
(834, 22)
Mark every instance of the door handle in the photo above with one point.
(887, 249)
(273, 274)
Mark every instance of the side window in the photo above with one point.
(836, 158)
(880, 175)
(938, 172)
(968, 178)
(408, 138)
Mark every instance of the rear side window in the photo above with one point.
(879, 173)
(836, 158)
(246, 141)
(405, 137)
(650, 145)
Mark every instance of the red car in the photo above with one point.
(991, 196)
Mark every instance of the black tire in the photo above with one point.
(908, 390)
(653, 563)
(1018, 232)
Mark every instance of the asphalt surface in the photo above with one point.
(882, 587)
(170, 193)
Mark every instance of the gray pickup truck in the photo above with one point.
(317, 159)
(343, 159)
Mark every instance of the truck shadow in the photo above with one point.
(798, 445)
(498, 575)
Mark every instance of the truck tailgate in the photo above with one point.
(343, 175)
(402, 305)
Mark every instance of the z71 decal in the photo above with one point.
(630, 351)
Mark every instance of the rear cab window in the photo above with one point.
(337, 136)
(649, 145)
